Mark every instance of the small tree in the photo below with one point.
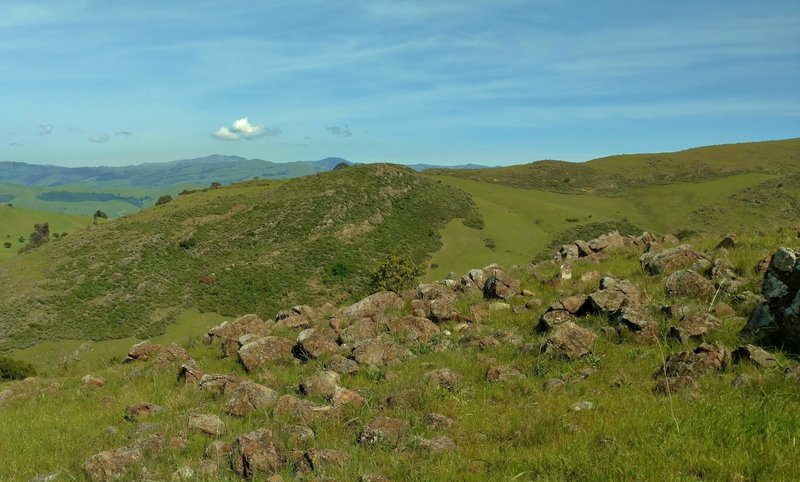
(163, 199)
(7, 244)
(100, 214)
(11, 369)
(396, 273)
(39, 236)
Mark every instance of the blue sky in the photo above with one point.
(492, 82)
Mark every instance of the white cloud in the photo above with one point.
(45, 129)
(339, 131)
(243, 129)
(100, 139)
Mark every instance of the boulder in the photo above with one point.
(412, 328)
(703, 359)
(230, 346)
(567, 252)
(499, 284)
(292, 322)
(553, 318)
(383, 431)
(639, 321)
(694, 326)
(781, 289)
(312, 343)
(92, 381)
(614, 295)
(570, 341)
(473, 280)
(436, 444)
(112, 464)
(342, 365)
(289, 407)
(728, 242)
(247, 324)
(503, 374)
(265, 350)
(445, 378)
(343, 396)
(363, 329)
(319, 459)
(321, 384)
(143, 351)
(436, 421)
(254, 454)
(219, 384)
(380, 352)
(190, 373)
(669, 260)
(173, 352)
(441, 310)
(138, 411)
(689, 284)
(753, 354)
(249, 397)
(374, 306)
(298, 433)
(207, 424)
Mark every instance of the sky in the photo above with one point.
(447, 82)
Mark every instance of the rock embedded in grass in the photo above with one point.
(383, 431)
(669, 260)
(112, 464)
(269, 349)
(570, 341)
(207, 424)
(249, 397)
(689, 284)
(255, 454)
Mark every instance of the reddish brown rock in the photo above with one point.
(689, 284)
(190, 373)
(412, 328)
(255, 454)
(249, 397)
(247, 324)
(570, 341)
(269, 349)
(384, 431)
(112, 464)
(143, 351)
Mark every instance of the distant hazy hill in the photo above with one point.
(200, 171)
(426, 167)
(615, 174)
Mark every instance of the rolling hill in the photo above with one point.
(16, 223)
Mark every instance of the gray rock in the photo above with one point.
(207, 424)
(254, 454)
(669, 260)
(689, 284)
(249, 397)
(570, 341)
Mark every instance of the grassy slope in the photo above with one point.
(255, 247)
(16, 222)
(511, 431)
(522, 221)
(616, 175)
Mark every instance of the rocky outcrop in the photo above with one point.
(669, 260)
(781, 289)
(248, 324)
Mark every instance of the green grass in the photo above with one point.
(515, 431)
(17, 221)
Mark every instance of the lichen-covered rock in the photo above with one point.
(553, 318)
(781, 289)
(265, 350)
(190, 373)
(380, 352)
(669, 260)
(499, 284)
(247, 324)
(92, 381)
(614, 295)
(289, 407)
(173, 352)
(374, 306)
(342, 365)
(254, 454)
(412, 328)
(363, 329)
(753, 354)
(383, 431)
(436, 444)
(219, 384)
(445, 378)
(112, 464)
(313, 343)
(249, 397)
(319, 459)
(503, 374)
(694, 326)
(321, 384)
(639, 321)
(680, 369)
(570, 341)
(143, 351)
(689, 284)
(207, 424)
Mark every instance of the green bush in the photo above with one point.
(163, 199)
(11, 369)
(395, 273)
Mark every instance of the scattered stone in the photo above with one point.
(437, 444)
(151, 444)
(437, 420)
(92, 381)
(138, 411)
(219, 384)
(412, 328)
(190, 373)
(292, 322)
(248, 324)
(442, 310)
(254, 454)
(342, 365)
(582, 405)
(383, 431)
(143, 351)
(478, 313)
(112, 464)
(342, 396)
(445, 378)
(571, 341)
(319, 459)
(374, 306)
(681, 368)
(217, 450)
(553, 384)
(249, 397)
(321, 384)
(637, 319)
(173, 352)
(312, 343)
(265, 350)
(553, 318)
(753, 354)
(289, 407)
(669, 260)
(178, 442)
(689, 284)
(503, 374)
(694, 327)
(185, 472)
(613, 295)
(299, 433)
(207, 424)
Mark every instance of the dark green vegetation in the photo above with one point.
(16, 225)
(616, 175)
(11, 369)
(76, 197)
(254, 247)
(395, 273)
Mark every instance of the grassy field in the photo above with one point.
(16, 222)
(514, 430)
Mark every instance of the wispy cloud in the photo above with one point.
(100, 138)
(339, 131)
(243, 129)
(45, 129)
(123, 134)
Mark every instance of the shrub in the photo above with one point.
(163, 199)
(395, 273)
(11, 369)
(7, 244)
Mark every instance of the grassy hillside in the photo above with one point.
(739, 423)
(16, 222)
(254, 247)
(616, 175)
